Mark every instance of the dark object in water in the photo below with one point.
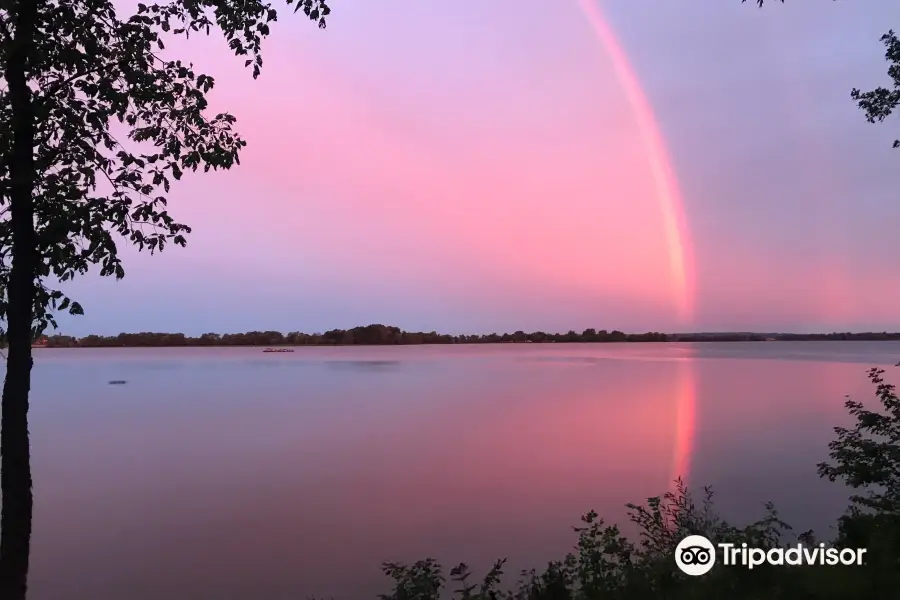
(117, 382)
(278, 350)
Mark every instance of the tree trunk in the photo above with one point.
(15, 459)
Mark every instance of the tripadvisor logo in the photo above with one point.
(696, 555)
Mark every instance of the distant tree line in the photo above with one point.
(384, 335)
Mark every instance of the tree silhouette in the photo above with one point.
(76, 74)
(880, 103)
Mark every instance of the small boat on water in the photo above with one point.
(278, 350)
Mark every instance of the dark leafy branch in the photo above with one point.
(880, 103)
(116, 125)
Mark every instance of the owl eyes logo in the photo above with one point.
(695, 555)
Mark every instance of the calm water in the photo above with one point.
(230, 474)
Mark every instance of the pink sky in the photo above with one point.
(424, 166)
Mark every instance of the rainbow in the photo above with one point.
(667, 193)
(674, 223)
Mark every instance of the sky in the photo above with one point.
(695, 167)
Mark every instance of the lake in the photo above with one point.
(227, 473)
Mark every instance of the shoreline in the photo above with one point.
(388, 335)
(263, 346)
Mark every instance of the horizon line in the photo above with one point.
(587, 331)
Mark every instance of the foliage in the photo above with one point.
(374, 334)
(880, 103)
(605, 565)
(868, 455)
(116, 123)
(95, 125)
(387, 335)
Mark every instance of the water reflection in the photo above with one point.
(684, 395)
(225, 479)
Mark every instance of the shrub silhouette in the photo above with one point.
(605, 565)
